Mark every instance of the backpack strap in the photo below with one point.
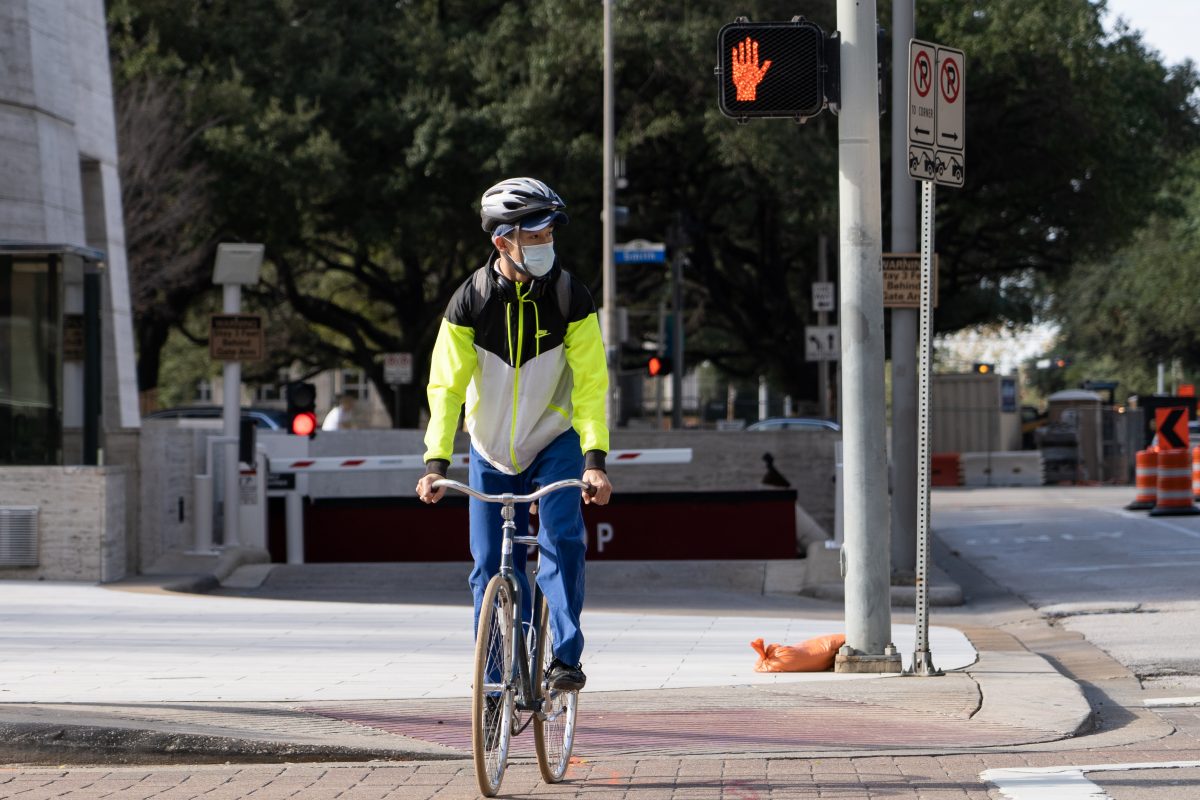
(563, 289)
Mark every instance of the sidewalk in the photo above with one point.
(134, 673)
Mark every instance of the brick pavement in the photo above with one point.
(941, 777)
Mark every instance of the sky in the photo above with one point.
(1168, 26)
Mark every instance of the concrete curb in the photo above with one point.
(1023, 689)
(52, 743)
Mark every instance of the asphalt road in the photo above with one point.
(1125, 580)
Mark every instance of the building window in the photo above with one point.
(204, 391)
(354, 382)
(272, 392)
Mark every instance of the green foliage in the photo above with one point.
(354, 137)
(1137, 307)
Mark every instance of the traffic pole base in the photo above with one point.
(850, 660)
(923, 665)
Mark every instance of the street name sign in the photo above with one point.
(640, 251)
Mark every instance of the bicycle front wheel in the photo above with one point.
(492, 695)
(554, 725)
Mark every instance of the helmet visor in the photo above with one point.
(533, 223)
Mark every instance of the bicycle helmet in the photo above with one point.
(520, 201)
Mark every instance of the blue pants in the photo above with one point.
(561, 538)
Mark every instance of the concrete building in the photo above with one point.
(68, 391)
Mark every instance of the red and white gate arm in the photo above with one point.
(344, 464)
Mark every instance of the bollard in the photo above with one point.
(1147, 481)
(1174, 485)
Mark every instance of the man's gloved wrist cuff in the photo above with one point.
(436, 466)
(594, 459)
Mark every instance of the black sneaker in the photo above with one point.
(565, 678)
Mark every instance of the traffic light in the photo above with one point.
(983, 368)
(658, 366)
(302, 409)
(771, 69)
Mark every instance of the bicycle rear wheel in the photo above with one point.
(492, 688)
(554, 726)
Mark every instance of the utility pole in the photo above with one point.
(866, 549)
(612, 341)
(823, 320)
(904, 320)
(676, 354)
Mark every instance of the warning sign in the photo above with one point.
(902, 280)
(236, 337)
(1172, 428)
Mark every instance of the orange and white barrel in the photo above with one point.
(1174, 485)
(1196, 473)
(1146, 481)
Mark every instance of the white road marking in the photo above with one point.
(1091, 537)
(1063, 783)
(1172, 702)
(1128, 565)
(1145, 518)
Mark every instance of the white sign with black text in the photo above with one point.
(822, 296)
(822, 343)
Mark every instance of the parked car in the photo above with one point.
(271, 419)
(794, 424)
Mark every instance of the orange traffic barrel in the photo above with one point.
(1174, 485)
(1147, 480)
(1196, 472)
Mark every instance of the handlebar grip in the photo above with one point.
(591, 490)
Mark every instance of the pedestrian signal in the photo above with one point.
(302, 409)
(658, 366)
(771, 69)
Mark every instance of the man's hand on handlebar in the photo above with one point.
(602, 489)
(426, 491)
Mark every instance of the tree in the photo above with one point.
(355, 138)
(169, 240)
(1128, 312)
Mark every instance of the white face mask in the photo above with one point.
(539, 258)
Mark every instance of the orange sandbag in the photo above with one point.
(814, 655)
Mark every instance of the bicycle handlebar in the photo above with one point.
(515, 498)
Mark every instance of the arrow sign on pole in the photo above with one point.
(1172, 427)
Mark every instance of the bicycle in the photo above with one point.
(510, 664)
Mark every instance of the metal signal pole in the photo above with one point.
(612, 342)
(866, 549)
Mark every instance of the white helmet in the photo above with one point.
(511, 201)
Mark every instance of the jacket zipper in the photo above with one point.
(512, 438)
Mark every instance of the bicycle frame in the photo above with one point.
(527, 697)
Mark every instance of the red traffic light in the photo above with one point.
(304, 423)
(658, 366)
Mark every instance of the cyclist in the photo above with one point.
(520, 346)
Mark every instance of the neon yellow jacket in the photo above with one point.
(527, 362)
